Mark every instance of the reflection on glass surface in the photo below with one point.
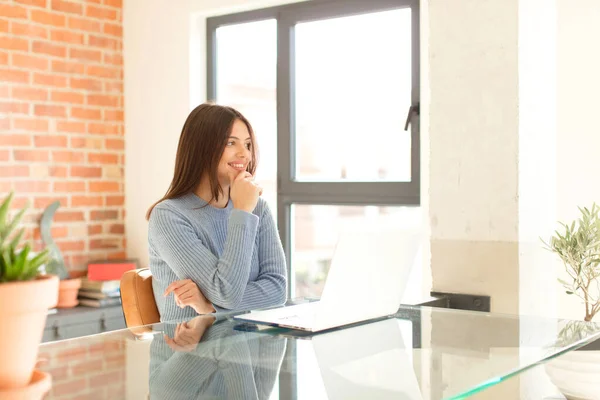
(198, 360)
(353, 81)
(315, 232)
(246, 80)
(425, 353)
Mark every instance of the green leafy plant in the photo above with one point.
(578, 246)
(16, 263)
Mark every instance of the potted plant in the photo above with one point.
(578, 247)
(25, 297)
(68, 288)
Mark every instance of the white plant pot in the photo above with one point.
(576, 374)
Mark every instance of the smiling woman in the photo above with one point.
(213, 243)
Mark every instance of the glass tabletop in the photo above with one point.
(419, 353)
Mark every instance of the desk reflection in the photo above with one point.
(203, 358)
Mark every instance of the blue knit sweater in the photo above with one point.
(234, 257)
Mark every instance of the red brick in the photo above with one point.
(70, 126)
(49, 48)
(64, 216)
(15, 140)
(104, 129)
(58, 171)
(91, 85)
(87, 366)
(11, 75)
(31, 155)
(103, 72)
(29, 93)
(12, 11)
(56, 232)
(67, 97)
(14, 171)
(113, 115)
(67, 156)
(69, 186)
(67, 6)
(101, 12)
(48, 18)
(115, 200)
(104, 186)
(14, 43)
(4, 25)
(4, 155)
(28, 29)
(115, 144)
(29, 62)
(68, 388)
(67, 36)
(37, 124)
(49, 80)
(86, 172)
(113, 29)
(84, 24)
(114, 3)
(3, 57)
(101, 215)
(87, 201)
(89, 143)
(37, 3)
(103, 158)
(85, 54)
(50, 111)
(117, 228)
(102, 100)
(110, 87)
(85, 113)
(114, 59)
(4, 123)
(14, 108)
(32, 186)
(100, 41)
(50, 141)
(94, 229)
(43, 202)
(118, 255)
(103, 244)
(68, 67)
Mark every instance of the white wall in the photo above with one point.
(578, 134)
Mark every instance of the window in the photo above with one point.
(327, 85)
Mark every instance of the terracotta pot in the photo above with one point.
(67, 293)
(23, 310)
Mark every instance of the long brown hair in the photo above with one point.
(201, 144)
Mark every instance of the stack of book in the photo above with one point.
(101, 287)
(99, 293)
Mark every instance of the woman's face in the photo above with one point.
(237, 154)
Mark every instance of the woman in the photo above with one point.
(213, 243)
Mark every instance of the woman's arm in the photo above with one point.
(269, 289)
(222, 280)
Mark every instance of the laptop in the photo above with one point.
(369, 361)
(367, 279)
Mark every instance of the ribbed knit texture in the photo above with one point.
(226, 364)
(234, 257)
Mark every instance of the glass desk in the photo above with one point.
(419, 353)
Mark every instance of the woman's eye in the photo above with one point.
(248, 145)
(230, 143)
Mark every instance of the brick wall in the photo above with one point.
(91, 370)
(61, 120)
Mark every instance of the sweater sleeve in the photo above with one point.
(222, 280)
(269, 288)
